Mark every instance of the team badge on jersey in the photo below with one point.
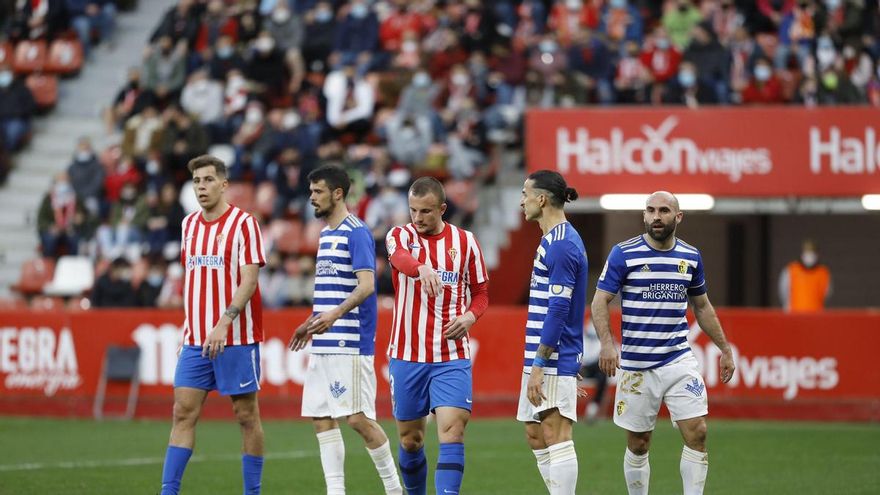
(621, 408)
(682, 267)
(452, 253)
(219, 239)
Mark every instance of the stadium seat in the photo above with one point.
(6, 52)
(44, 87)
(241, 194)
(285, 236)
(65, 57)
(30, 56)
(35, 274)
(121, 365)
(311, 235)
(463, 194)
(264, 202)
(224, 152)
(73, 276)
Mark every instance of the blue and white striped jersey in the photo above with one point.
(654, 286)
(342, 251)
(559, 281)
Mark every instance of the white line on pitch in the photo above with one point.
(143, 461)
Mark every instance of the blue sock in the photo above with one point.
(175, 462)
(252, 472)
(414, 469)
(450, 468)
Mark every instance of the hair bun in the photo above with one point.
(570, 194)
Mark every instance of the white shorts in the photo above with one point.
(560, 393)
(639, 393)
(339, 385)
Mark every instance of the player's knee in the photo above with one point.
(638, 444)
(185, 414)
(452, 432)
(412, 442)
(697, 436)
(359, 423)
(246, 414)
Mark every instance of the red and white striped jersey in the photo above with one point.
(416, 333)
(212, 253)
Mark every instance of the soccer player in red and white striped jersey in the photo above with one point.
(441, 289)
(222, 253)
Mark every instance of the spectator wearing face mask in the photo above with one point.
(285, 26)
(662, 60)
(202, 98)
(225, 59)
(165, 69)
(321, 28)
(687, 89)
(267, 67)
(113, 289)
(357, 37)
(621, 21)
(16, 109)
(62, 220)
(764, 87)
(215, 23)
(124, 230)
(86, 175)
(805, 284)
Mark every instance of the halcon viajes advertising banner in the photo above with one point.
(788, 366)
(770, 151)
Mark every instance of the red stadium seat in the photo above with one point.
(30, 56)
(462, 193)
(286, 235)
(6, 52)
(35, 274)
(264, 202)
(312, 233)
(241, 194)
(44, 87)
(65, 57)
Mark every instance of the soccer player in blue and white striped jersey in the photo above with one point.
(656, 274)
(341, 379)
(554, 332)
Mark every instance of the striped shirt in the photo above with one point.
(654, 286)
(559, 278)
(416, 332)
(212, 253)
(342, 252)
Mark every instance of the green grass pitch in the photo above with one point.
(51, 456)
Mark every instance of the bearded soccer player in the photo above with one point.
(340, 382)
(222, 252)
(656, 274)
(554, 332)
(440, 290)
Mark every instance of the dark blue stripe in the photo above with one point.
(654, 342)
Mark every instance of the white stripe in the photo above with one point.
(436, 345)
(326, 280)
(637, 249)
(327, 336)
(540, 266)
(531, 355)
(658, 276)
(683, 249)
(539, 294)
(330, 294)
(539, 325)
(334, 253)
(678, 306)
(533, 339)
(660, 260)
(423, 311)
(654, 320)
(654, 350)
(537, 310)
(636, 334)
(330, 239)
(542, 280)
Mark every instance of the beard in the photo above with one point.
(661, 236)
(321, 213)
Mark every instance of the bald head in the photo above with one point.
(663, 198)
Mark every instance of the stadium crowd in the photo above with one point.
(393, 90)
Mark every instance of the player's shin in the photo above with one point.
(637, 472)
(694, 466)
(175, 463)
(450, 468)
(542, 456)
(563, 468)
(384, 463)
(414, 470)
(333, 460)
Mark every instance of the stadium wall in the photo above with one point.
(817, 367)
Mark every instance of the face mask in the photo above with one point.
(687, 78)
(83, 156)
(661, 43)
(5, 78)
(421, 80)
(323, 15)
(359, 10)
(573, 4)
(290, 120)
(253, 116)
(547, 46)
(224, 51)
(154, 279)
(409, 46)
(617, 4)
(459, 79)
(281, 16)
(832, 4)
(63, 189)
(809, 259)
(762, 73)
(152, 167)
(264, 45)
(826, 56)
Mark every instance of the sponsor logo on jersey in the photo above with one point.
(215, 262)
(448, 277)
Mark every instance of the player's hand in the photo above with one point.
(458, 327)
(216, 341)
(322, 322)
(727, 366)
(301, 336)
(581, 391)
(609, 359)
(430, 281)
(534, 388)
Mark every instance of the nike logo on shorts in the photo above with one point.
(469, 402)
(245, 384)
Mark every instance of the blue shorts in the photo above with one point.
(419, 388)
(234, 371)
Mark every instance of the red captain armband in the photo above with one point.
(405, 263)
(479, 299)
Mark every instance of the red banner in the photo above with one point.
(816, 366)
(726, 152)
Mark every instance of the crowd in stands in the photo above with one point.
(395, 89)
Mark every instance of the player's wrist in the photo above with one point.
(540, 363)
(231, 313)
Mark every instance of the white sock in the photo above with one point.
(333, 460)
(563, 468)
(637, 472)
(387, 469)
(543, 458)
(694, 466)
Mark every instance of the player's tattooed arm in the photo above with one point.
(544, 351)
